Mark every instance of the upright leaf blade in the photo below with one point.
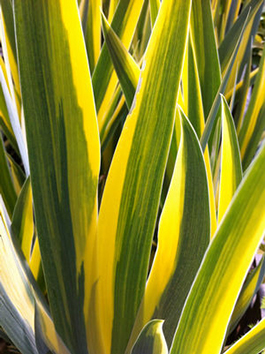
(7, 189)
(126, 68)
(183, 236)
(254, 120)
(205, 51)
(231, 170)
(64, 155)
(206, 314)
(104, 80)
(129, 206)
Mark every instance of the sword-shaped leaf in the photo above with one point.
(183, 236)
(154, 8)
(64, 156)
(250, 16)
(104, 78)
(205, 317)
(90, 16)
(127, 70)
(231, 170)
(195, 112)
(250, 288)
(131, 197)
(254, 120)
(205, 51)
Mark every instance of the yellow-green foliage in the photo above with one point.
(131, 175)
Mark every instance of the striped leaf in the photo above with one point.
(17, 173)
(18, 298)
(151, 340)
(7, 189)
(250, 288)
(228, 44)
(126, 68)
(129, 206)
(22, 220)
(231, 170)
(194, 110)
(90, 16)
(23, 229)
(64, 156)
(251, 343)
(183, 236)
(207, 311)
(251, 16)
(112, 8)
(205, 51)
(104, 79)
(254, 121)
(8, 44)
(154, 7)
(4, 117)
(15, 122)
(211, 119)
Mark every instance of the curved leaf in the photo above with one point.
(129, 206)
(183, 236)
(151, 340)
(207, 311)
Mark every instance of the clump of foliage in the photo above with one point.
(132, 175)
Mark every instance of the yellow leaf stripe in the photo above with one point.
(56, 86)
(206, 314)
(129, 206)
(231, 170)
(180, 247)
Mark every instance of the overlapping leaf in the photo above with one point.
(129, 205)
(183, 236)
(64, 156)
(206, 314)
